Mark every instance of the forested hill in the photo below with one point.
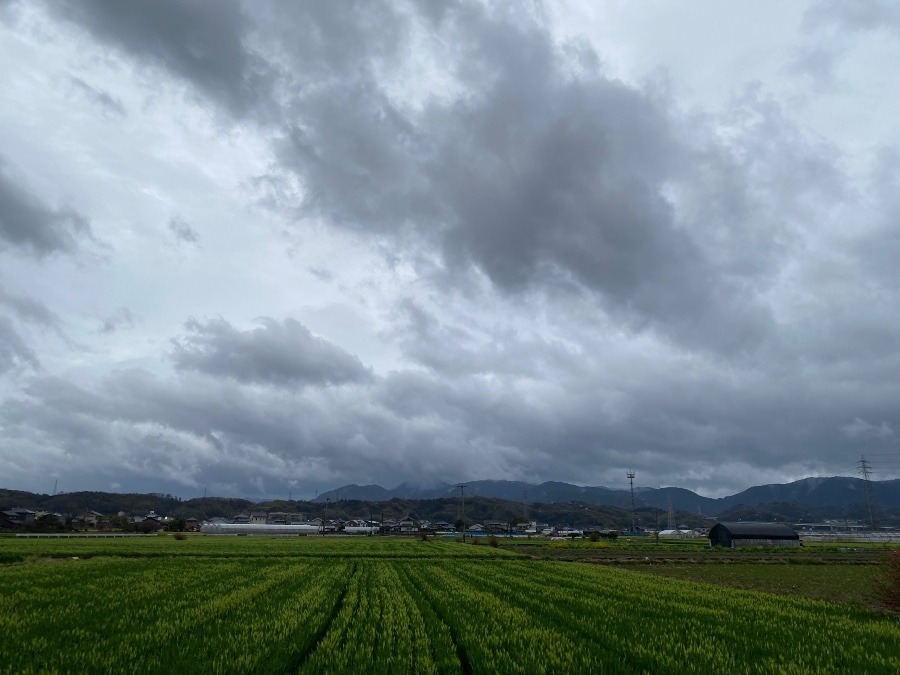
(572, 512)
(478, 509)
(833, 493)
(112, 503)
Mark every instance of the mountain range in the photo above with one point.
(833, 492)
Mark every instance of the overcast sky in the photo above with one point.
(259, 248)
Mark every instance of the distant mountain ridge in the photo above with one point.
(831, 492)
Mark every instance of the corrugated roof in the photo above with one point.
(760, 530)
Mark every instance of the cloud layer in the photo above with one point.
(441, 243)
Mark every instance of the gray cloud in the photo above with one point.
(27, 223)
(322, 274)
(101, 98)
(833, 24)
(29, 309)
(876, 15)
(459, 351)
(541, 171)
(284, 354)
(14, 352)
(122, 318)
(198, 41)
(547, 177)
(412, 425)
(580, 274)
(182, 230)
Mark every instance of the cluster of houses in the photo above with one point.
(20, 518)
(275, 522)
(407, 525)
(731, 535)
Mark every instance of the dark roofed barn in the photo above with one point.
(734, 535)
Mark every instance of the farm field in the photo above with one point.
(833, 582)
(254, 605)
(638, 552)
(12, 549)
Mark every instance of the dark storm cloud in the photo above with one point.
(201, 42)
(281, 353)
(674, 292)
(100, 97)
(29, 224)
(541, 171)
(540, 174)
(413, 425)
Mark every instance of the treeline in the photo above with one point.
(477, 509)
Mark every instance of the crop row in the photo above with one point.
(162, 616)
(635, 623)
(365, 614)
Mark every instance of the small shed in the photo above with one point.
(735, 535)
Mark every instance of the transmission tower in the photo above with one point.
(630, 475)
(870, 502)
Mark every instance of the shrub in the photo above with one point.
(493, 541)
(476, 541)
(888, 584)
(180, 536)
(594, 537)
(423, 535)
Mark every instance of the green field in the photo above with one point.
(244, 605)
(241, 547)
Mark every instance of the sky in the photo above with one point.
(264, 249)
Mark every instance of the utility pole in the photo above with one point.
(630, 475)
(864, 470)
(656, 512)
(462, 500)
(325, 515)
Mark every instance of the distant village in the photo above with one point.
(37, 523)
(254, 522)
(279, 522)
